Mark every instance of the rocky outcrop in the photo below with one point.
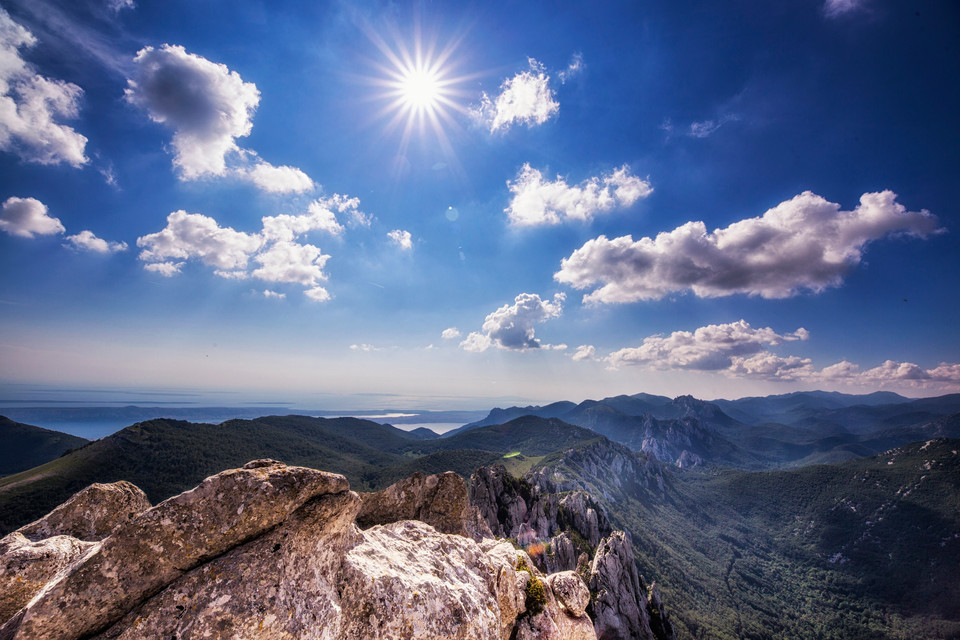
(143, 555)
(620, 605)
(660, 623)
(27, 566)
(273, 552)
(440, 500)
(91, 514)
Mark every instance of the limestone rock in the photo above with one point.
(91, 514)
(146, 554)
(562, 555)
(586, 515)
(620, 608)
(440, 500)
(404, 580)
(280, 586)
(555, 622)
(660, 623)
(572, 595)
(27, 566)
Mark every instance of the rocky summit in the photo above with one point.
(271, 551)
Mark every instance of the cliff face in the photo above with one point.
(274, 552)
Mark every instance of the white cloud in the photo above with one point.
(585, 352)
(27, 217)
(451, 333)
(891, 371)
(87, 241)
(536, 201)
(291, 262)
(806, 243)
(708, 348)
(273, 179)
(193, 235)
(267, 293)
(319, 217)
(166, 269)
(768, 366)
(31, 104)
(207, 105)
(573, 69)
(364, 347)
(317, 294)
(525, 98)
(512, 326)
(402, 239)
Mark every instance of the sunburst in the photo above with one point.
(422, 92)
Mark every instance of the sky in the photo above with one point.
(451, 205)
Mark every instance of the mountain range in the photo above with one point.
(744, 536)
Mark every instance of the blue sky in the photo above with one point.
(446, 205)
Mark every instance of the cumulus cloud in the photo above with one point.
(537, 201)
(892, 372)
(292, 262)
(28, 217)
(267, 293)
(401, 238)
(193, 235)
(805, 243)
(277, 179)
(31, 105)
(512, 326)
(320, 216)
(526, 98)
(708, 348)
(451, 333)
(208, 106)
(585, 352)
(166, 269)
(87, 241)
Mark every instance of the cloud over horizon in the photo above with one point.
(511, 327)
(31, 105)
(805, 243)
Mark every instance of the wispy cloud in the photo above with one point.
(574, 68)
(805, 243)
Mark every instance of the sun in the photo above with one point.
(420, 90)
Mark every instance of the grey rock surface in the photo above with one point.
(91, 514)
(144, 555)
(571, 593)
(620, 607)
(440, 500)
(27, 566)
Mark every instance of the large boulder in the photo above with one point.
(440, 500)
(144, 555)
(280, 586)
(91, 514)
